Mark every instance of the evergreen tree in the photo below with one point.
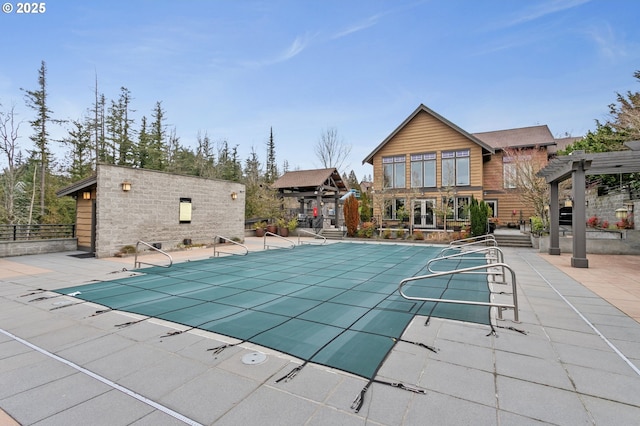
(352, 181)
(271, 169)
(204, 158)
(144, 140)
(119, 129)
(228, 167)
(157, 148)
(98, 126)
(81, 147)
(37, 101)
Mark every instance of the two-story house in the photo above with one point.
(429, 168)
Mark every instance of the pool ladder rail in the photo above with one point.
(468, 247)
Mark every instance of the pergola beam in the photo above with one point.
(576, 166)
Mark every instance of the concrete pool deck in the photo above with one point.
(62, 364)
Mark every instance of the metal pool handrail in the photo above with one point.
(476, 239)
(461, 247)
(216, 253)
(500, 306)
(498, 257)
(324, 239)
(136, 263)
(266, 246)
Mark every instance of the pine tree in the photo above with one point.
(37, 100)
(98, 125)
(157, 151)
(80, 154)
(271, 170)
(205, 158)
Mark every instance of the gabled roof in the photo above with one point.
(307, 179)
(562, 143)
(523, 137)
(78, 186)
(422, 108)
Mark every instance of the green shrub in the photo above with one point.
(537, 225)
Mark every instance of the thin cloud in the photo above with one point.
(605, 39)
(298, 45)
(544, 9)
(367, 23)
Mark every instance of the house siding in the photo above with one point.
(509, 199)
(424, 133)
(83, 222)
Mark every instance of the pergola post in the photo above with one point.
(554, 219)
(579, 231)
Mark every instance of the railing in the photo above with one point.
(216, 252)
(500, 306)
(479, 239)
(136, 263)
(313, 234)
(266, 246)
(460, 245)
(492, 254)
(36, 232)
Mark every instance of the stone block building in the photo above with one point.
(118, 206)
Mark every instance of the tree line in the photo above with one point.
(107, 133)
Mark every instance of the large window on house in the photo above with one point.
(509, 173)
(395, 209)
(457, 208)
(462, 208)
(423, 170)
(455, 168)
(394, 171)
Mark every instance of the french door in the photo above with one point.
(423, 213)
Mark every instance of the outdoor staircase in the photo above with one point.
(332, 233)
(513, 240)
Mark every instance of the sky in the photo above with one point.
(236, 69)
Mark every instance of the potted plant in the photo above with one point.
(259, 227)
(272, 228)
(281, 224)
(292, 224)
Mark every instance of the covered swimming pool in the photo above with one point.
(336, 305)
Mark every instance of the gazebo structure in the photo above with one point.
(576, 166)
(313, 188)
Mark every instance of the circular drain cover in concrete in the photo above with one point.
(254, 358)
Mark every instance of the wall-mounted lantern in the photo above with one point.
(126, 186)
(622, 213)
(86, 195)
(234, 195)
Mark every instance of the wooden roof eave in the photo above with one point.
(78, 186)
(422, 107)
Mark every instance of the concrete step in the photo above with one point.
(513, 240)
(332, 233)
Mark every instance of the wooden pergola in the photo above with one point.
(310, 186)
(576, 166)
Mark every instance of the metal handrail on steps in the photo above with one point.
(499, 306)
(324, 239)
(136, 263)
(216, 253)
(266, 246)
(478, 239)
(492, 254)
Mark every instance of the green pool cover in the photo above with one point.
(335, 305)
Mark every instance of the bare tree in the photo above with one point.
(331, 150)
(9, 147)
(532, 189)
